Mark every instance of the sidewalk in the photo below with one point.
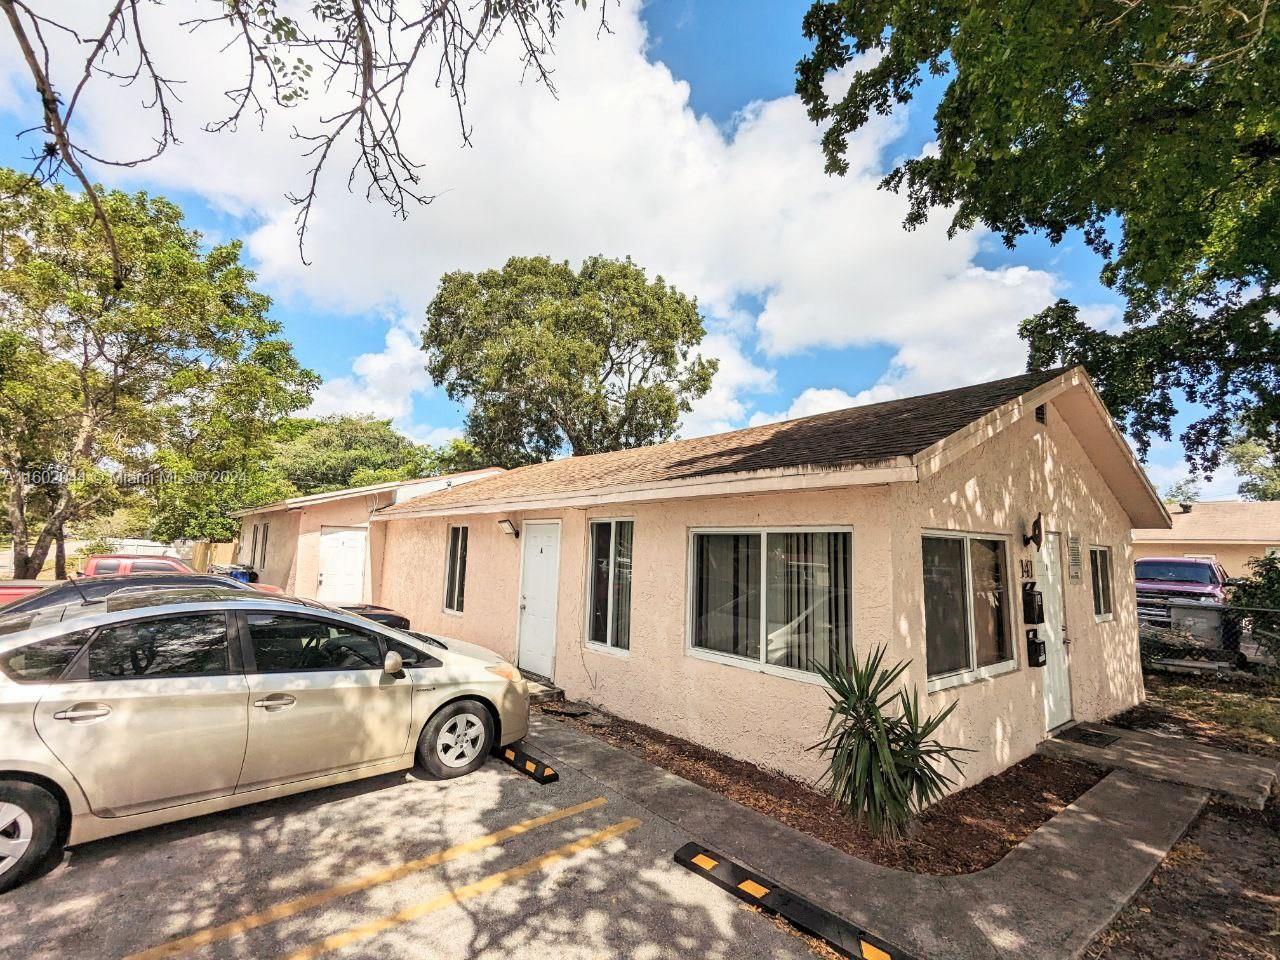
(1046, 900)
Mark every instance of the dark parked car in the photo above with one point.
(95, 589)
(377, 614)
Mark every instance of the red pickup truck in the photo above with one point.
(118, 563)
(97, 566)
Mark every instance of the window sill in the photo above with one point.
(451, 613)
(971, 676)
(606, 649)
(1105, 618)
(755, 666)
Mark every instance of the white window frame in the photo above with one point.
(608, 646)
(266, 527)
(451, 562)
(1107, 615)
(967, 675)
(762, 665)
(253, 547)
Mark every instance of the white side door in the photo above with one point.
(1057, 670)
(539, 586)
(342, 556)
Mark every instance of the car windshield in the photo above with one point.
(1174, 571)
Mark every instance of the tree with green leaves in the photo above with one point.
(336, 452)
(1185, 490)
(106, 383)
(1259, 470)
(552, 359)
(1153, 128)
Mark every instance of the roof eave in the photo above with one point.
(897, 470)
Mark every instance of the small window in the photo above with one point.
(190, 646)
(109, 565)
(782, 598)
(253, 547)
(966, 605)
(609, 591)
(287, 644)
(456, 570)
(44, 661)
(1100, 570)
(266, 528)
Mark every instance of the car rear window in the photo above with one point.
(45, 660)
(108, 565)
(152, 566)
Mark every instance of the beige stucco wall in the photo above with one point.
(998, 488)
(771, 719)
(293, 546)
(1234, 557)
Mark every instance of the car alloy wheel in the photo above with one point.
(16, 834)
(460, 740)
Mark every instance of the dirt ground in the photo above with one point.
(963, 833)
(1239, 714)
(1218, 891)
(1217, 894)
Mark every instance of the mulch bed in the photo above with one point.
(1217, 894)
(963, 833)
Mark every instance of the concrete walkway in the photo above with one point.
(1236, 777)
(1047, 899)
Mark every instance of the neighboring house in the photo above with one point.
(692, 585)
(1233, 532)
(320, 545)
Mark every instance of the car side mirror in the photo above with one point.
(393, 664)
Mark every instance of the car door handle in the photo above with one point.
(277, 701)
(83, 712)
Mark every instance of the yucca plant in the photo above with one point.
(884, 764)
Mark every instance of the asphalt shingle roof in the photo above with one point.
(858, 436)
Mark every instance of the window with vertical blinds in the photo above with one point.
(782, 598)
(966, 605)
(609, 590)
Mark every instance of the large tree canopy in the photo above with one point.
(550, 358)
(176, 375)
(1154, 128)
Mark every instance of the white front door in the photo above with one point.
(342, 555)
(1057, 670)
(539, 585)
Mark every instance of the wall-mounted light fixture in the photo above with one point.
(1036, 535)
(509, 528)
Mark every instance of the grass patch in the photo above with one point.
(1235, 714)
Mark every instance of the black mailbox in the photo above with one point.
(1037, 649)
(1032, 604)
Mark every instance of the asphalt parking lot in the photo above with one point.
(491, 865)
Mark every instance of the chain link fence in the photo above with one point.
(1246, 636)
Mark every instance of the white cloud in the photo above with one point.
(384, 385)
(617, 164)
(1165, 467)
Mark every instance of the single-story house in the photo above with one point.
(321, 545)
(693, 585)
(1233, 532)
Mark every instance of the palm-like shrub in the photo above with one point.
(884, 764)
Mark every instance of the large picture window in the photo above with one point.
(609, 590)
(782, 598)
(966, 606)
(1100, 571)
(455, 581)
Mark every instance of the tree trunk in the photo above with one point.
(60, 554)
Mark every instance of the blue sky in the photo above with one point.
(737, 59)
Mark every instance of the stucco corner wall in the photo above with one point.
(999, 488)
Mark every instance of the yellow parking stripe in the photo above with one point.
(492, 882)
(291, 908)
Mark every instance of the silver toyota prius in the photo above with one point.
(144, 709)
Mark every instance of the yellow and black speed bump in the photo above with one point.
(762, 892)
(529, 766)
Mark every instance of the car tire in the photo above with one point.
(29, 823)
(456, 740)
